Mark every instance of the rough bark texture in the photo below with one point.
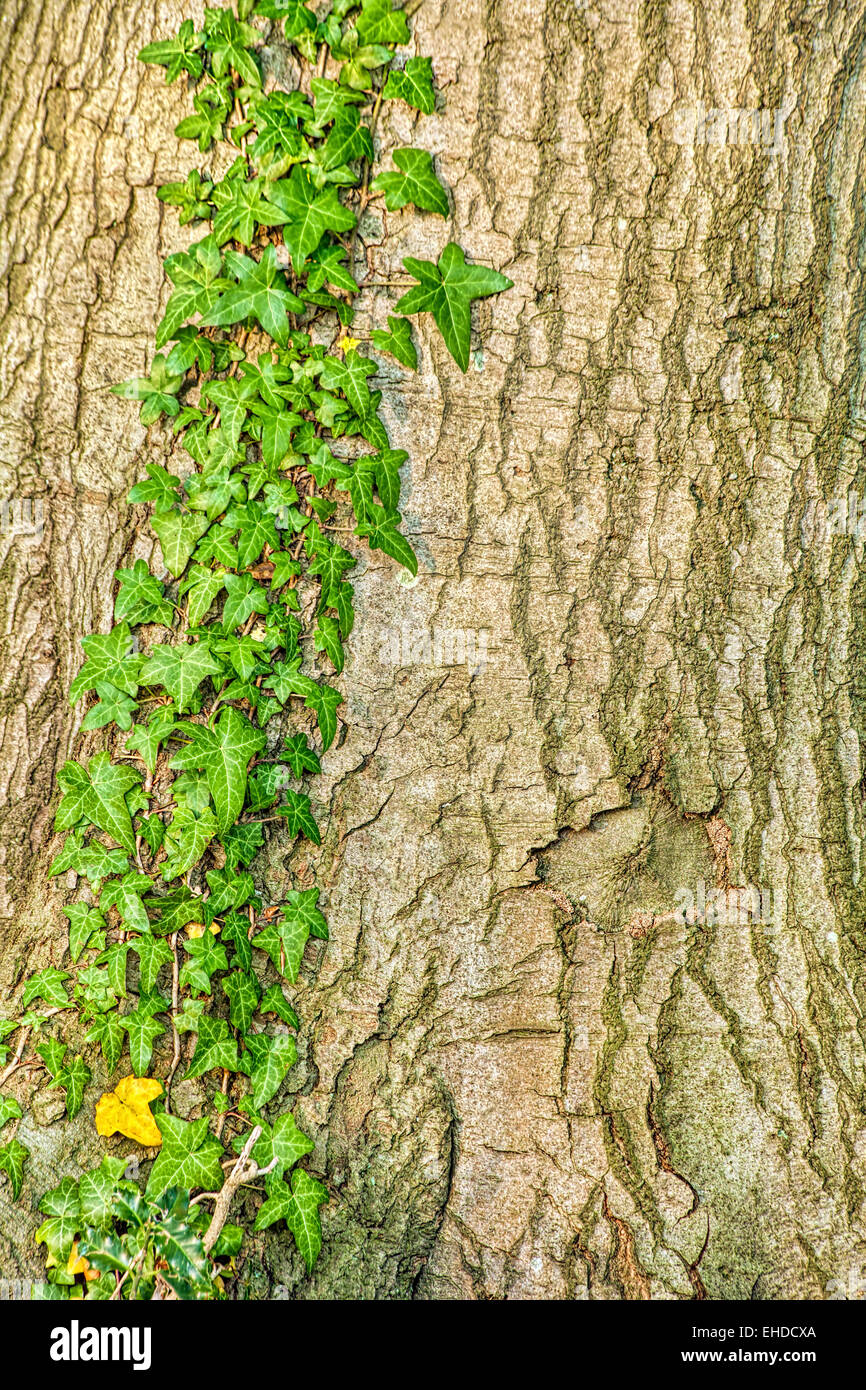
(527, 1075)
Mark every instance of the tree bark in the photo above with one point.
(534, 1064)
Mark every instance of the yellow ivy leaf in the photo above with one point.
(195, 929)
(347, 344)
(126, 1109)
(79, 1264)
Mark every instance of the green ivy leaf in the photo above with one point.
(228, 40)
(413, 84)
(157, 392)
(176, 55)
(192, 196)
(300, 756)
(9, 1110)
(215, 1048)
(153, 953)
(143, 1031)
(327, 639)
(13, 1156)
(244, 992)
(180, 670)
(87, 927)
(189, 1157)
(96, 1190)
(282, 1142)
(48, 985)
(125, 895)
(110, 660)
(275, 1002)
(235, 932)
(379, 23)
(299, 816)
(141, 597)
(161, 488)
(62, 1208)
(146, 739)
(446, 290)
(261, 293)
(267, 1060)
(241, 843)
(187, 837)
(298, 1206)
(243, 206)
(211, 106)
(177, 533)
(381, 528)
(197, 275)
(74, 1078)
(311, 213)
(206, 957)
(108, 1031)
(224, 753)
(397, 340)
(415, 183)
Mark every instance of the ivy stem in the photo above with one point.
(19, 1053)
(175, 996)
(245, 1169)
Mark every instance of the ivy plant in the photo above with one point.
(217, 685)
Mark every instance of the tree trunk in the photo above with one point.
(589, 1023)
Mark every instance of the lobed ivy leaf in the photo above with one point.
(48, 985)
(310, 213)
(298, 1206)
(13, 1156)
(143, 1030)
(189, 1157)
(228, 41)
(224, 753)
(62, 1209)
(108, 1031)
(267, 1060)
(191, 195)
(187, 836)
(413, 84)
(211, 106)
(378, 22)
(197, 275)
(244, 992)
(87, 927)
(242, 843)
(141, 598)
(9, 1110)
(160, 488)
(243, 206)
(275, 1002)
(157, 392)
(125, 895)
(206, 957)
(299, 816)
(215, 1048)
(415, 183)
(97, 1188)
(146, 739)
(177, 533)
(262, 293)
(397, 340)
(446, 290)
(110, 660)
(178, 54)
(180, 670)
(153, 953)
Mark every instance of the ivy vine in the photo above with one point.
(218, 668)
